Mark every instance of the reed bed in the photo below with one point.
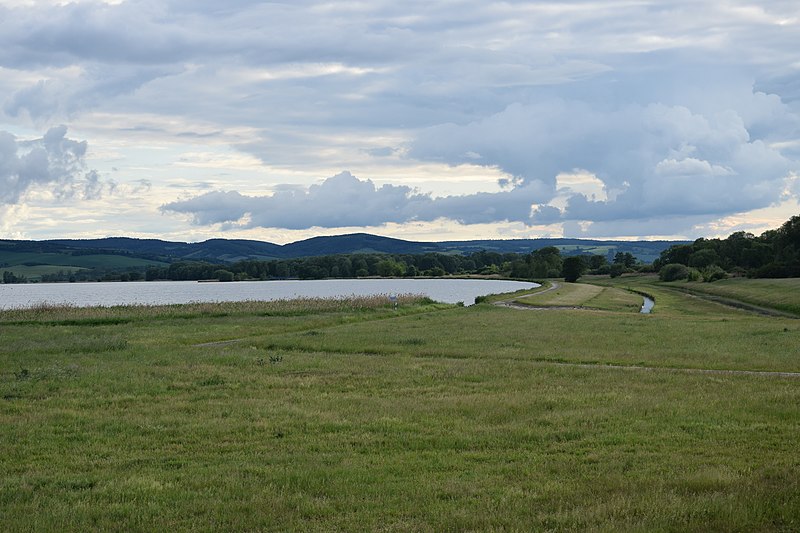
(61, 313)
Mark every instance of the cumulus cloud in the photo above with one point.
(53, 162)
(680, 110)
(344, 200)
(658, 160)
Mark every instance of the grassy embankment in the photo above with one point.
(780, 294)
(584, 296)
(351, 416)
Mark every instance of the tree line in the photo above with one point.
(543, 263)
(539, 264)
(773, 254)
(340, 266)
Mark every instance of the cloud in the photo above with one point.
(344, 201)
(677, 109)
(53, 162)
(658, 160)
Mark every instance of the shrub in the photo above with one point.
(673, 272)
(616, 270)
(223, 275)
(776, 270)
(602, 270)
(694, 275)
(714, 273)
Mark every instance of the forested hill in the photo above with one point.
(231, 250)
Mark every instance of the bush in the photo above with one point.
(694, 275)
(604, 270)
(776, 270)
(616, 270)
(673, 272)
(714, 273)
(223, 275)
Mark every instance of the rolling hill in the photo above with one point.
(125, 252)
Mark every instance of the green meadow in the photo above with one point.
(349, 415)
(781, 294)
(33, 265)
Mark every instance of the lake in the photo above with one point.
(177, 292)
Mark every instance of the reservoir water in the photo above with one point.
(177, 292)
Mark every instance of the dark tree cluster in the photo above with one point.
(9, 277)
(773, 254)
(339, 266)
(543, 263)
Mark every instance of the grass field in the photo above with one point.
(332, 415)
(19, 259)
(584, 295)
(37, 271)
(781, 294)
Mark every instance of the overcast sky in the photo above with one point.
(193, 119)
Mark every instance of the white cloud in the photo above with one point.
(344, 200)
(659, 160)
(53, 163)
(676, 108)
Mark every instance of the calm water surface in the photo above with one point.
(177, 292)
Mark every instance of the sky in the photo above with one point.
(194, 119)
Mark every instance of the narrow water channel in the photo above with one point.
(647, 306)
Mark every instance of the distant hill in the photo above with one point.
(646, 251)
(126, 252)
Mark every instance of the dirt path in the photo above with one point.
(765, 373)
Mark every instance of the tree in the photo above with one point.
(223, 275)
(596, 261)
(703, 258)
(616, 270)
(546, 262)
(678, 253)
(10, 277)
(673, 272)
(573, 268)
(390, 268)
(787, 241)
(521, 269)
(624, 258)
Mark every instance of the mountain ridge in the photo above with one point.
(232, 250)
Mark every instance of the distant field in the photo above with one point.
(594, 250)
(14, 259)
(323, 415)
(35, 272)
(642, 253)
